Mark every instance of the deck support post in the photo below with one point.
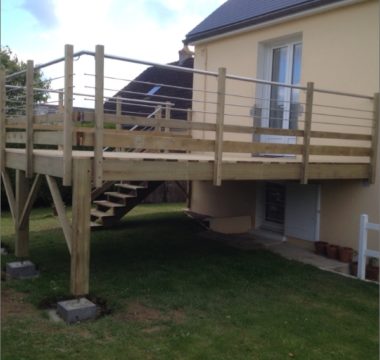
(307, 132)
(99, 115)
(375, 138)
(29, 118)
(21, 229)
(68, 116)
(3, 135)
(221, 96)
(80, 240)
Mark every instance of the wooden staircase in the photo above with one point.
(114, 200)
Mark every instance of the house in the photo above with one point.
(335, 45)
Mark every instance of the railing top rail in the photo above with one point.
(194, 71)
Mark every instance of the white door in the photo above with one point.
(302, 211)
(281, 107)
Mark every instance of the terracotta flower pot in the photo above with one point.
(320, 247)
(345, 254)
(372, 272)
(354, 268)
(332, 251)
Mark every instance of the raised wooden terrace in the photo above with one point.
(213, 147)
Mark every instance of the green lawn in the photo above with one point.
(174, 295)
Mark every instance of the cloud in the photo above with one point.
(43, 11)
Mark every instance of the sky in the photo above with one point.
(143, 29)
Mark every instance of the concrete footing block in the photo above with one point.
(21, 270)
(72, 311)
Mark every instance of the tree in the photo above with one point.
(15, 103)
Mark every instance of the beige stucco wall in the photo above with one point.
(340, 52)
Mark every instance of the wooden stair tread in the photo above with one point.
(119, 195)
(100, 214)
(130, 186)
(107, 203)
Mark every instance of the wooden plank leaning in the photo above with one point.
(67, 118)
(221, 94)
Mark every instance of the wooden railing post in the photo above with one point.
(167, 113)
(3, 135)
(157, 117)
(68, 116)
(375, 138)
(29, 118)
(99, 115)
(307, 132)
(218, 157)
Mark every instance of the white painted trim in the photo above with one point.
(281, 20)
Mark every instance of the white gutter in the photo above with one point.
(281, 20)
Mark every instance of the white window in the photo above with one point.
(279, 106)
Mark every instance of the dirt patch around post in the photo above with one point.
(13, 304)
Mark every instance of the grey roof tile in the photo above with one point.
(235, 14)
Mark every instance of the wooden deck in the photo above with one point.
(214, 146)
(179, 166)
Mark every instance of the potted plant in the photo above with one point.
(332, 251)
(320, 247)
(345, 254)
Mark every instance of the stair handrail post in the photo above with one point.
(68, 116)
(307, 132)
(3, 134)
(375, 138)
(29, 118)
(157, 118)
(99, 115)
(220, 106)
(168, 111)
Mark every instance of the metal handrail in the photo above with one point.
(194, 71)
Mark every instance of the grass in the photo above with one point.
(174, 295)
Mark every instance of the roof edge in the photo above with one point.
(290, 13)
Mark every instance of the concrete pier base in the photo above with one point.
(21, 270)
(72, 311)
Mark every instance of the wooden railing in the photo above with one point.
(62, 130)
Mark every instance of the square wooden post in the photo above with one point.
(80, 241)
(68, 115)
(218, 156)
(307, 132)
(3, 134)
(99, 115)
(29, 118)
(21, 231)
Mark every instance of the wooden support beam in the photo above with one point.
(221, 95)
(10, 194)
(29, 118)
(68, 116)
(307, 131)
(3, 134)
(60, 207)
(30, 200)
(80, 245)
(375, 138)
(22, 233)
(99, 115)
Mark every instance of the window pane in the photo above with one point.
(279, 67)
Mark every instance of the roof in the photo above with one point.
(156, 84)
(238, 14)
